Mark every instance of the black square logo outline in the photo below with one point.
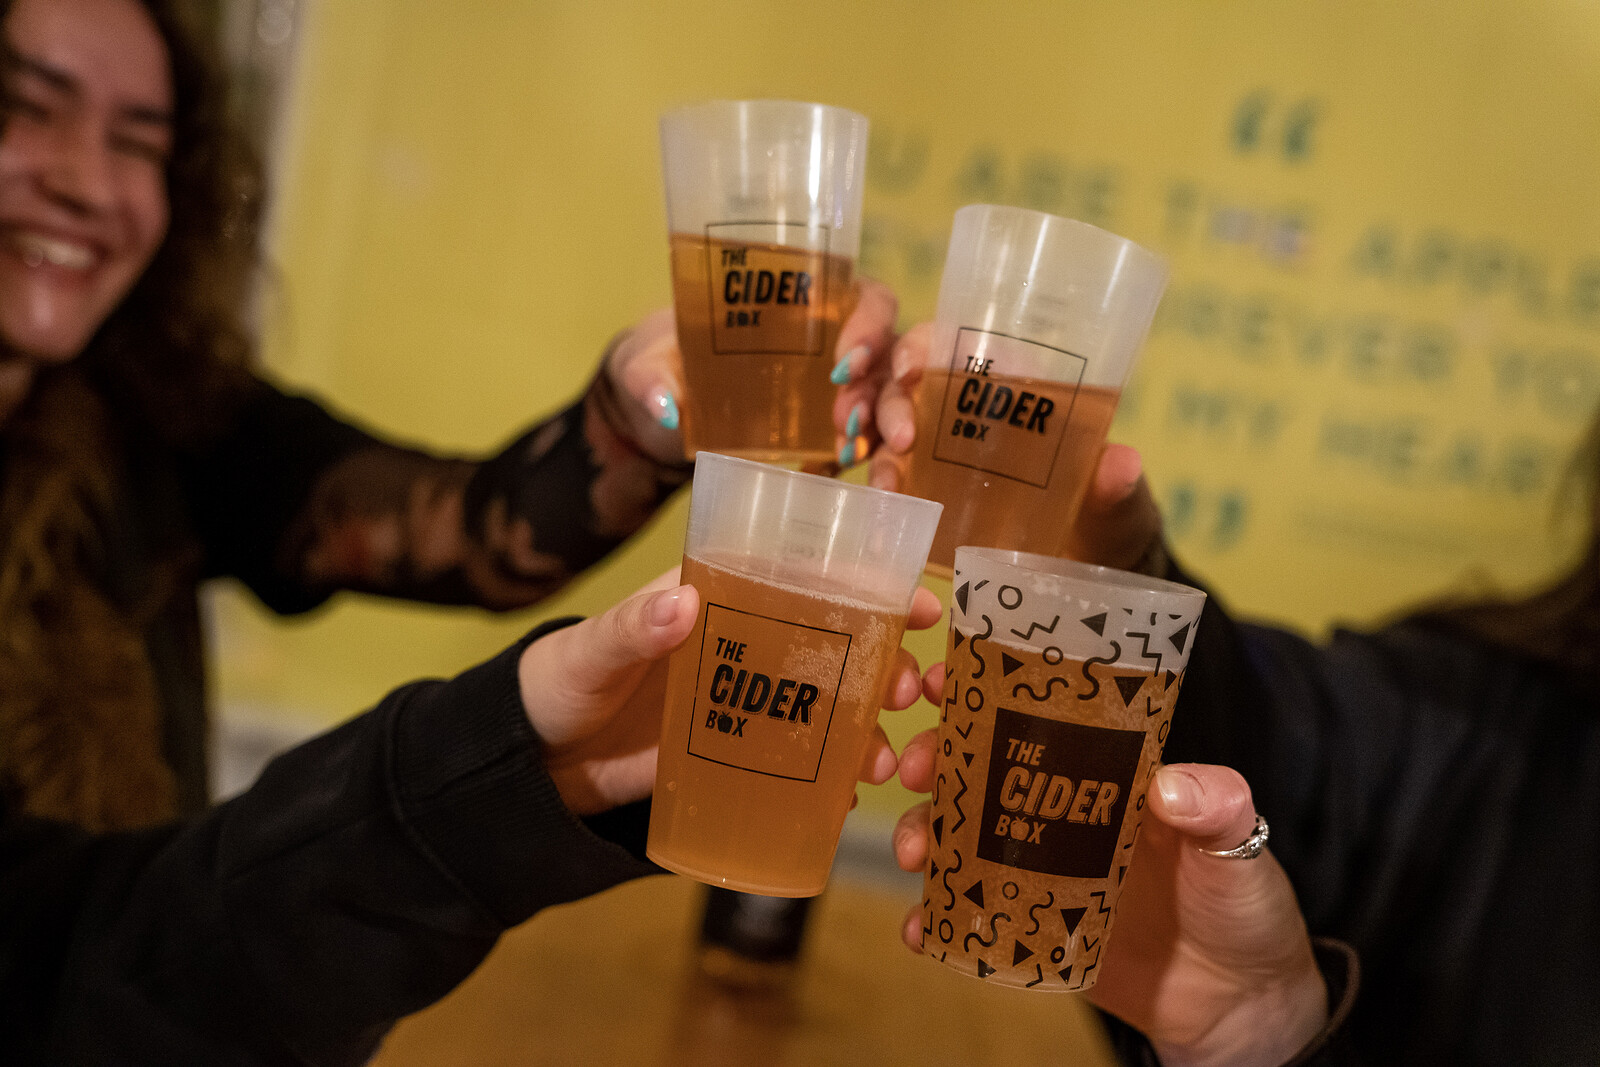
(945, 415)
(711, 285)
(694, 710)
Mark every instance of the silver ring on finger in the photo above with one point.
(1249, 848)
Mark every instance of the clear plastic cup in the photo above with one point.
(764, 214)
(1060, 681)
(1039, 321)
(805, 583)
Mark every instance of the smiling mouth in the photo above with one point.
(38, 250)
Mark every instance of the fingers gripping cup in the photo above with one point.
(1059, 689)
(1038, 324)
(764, 209)
(805, 583)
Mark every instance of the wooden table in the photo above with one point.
(610, 980)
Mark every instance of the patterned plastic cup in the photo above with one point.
(1059, 689)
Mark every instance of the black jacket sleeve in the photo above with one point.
(365, 875)
(247, 486)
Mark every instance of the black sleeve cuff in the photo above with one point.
(1341, 970)
(470, 784)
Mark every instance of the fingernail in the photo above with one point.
(663, 607)
(1180, 792)
(852, 426)
(847, 454)
(668, 416)
(841, 370)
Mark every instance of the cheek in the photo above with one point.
(25, 148)
(154, 218)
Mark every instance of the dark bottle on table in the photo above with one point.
(749, 940)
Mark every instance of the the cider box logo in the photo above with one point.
(765, 692)
(1056, 793)
(766, 299)
(1006, 408)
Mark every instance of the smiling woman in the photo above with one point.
(140, 454)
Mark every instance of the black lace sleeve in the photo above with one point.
(298, 504)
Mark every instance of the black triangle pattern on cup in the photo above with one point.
(1180, 636)
(1129, 687)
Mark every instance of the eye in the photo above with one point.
(148, 148)
(26, 97)
(19, 105)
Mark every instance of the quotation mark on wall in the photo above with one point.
(1262, 124)
(1213, 518)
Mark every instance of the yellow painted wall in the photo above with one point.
(1377, 349)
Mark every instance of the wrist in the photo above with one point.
(630, 427)
(1266, 1029)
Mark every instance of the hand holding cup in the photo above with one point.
(1213, 962)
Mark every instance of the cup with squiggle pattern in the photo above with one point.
(1059, 688)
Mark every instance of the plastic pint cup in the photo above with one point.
(764, 213)
(1038, 324)
(805, 583)
(1059, 689)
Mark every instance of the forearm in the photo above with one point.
(566, 493)
(501, 533)
(363, 876)
(299, 503)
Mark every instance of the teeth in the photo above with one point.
(38, 250)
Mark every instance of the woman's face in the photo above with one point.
(83, 155)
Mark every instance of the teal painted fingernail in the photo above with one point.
(841, 370)
(847, 454)
(852, 428)
(669, 411)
